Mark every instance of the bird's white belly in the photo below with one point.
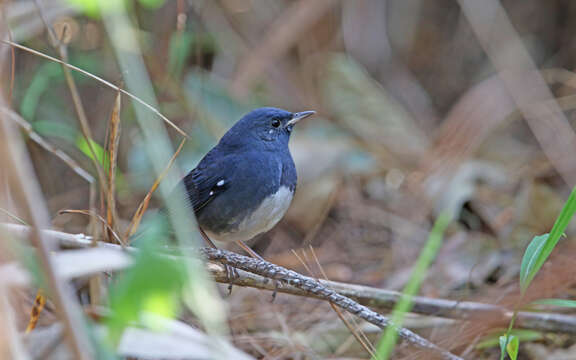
(268, 214)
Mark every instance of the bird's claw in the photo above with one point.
(231, 276)
(277, 285)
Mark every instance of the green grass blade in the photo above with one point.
(388, 340)
(556, 302)
(541, 246)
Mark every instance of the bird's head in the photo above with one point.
(268, 126)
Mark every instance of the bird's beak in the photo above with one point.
(299, 116)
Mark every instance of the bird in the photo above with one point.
(244, 185)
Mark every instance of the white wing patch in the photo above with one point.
(262, 219)
(220, 183)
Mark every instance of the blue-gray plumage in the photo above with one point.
(244, 185)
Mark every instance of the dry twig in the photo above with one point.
(365, 295)
(12, 115)
(308, 284)
(100, 80)
(23, 185)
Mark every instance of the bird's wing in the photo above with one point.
(209, 179)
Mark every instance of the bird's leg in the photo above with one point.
(255, 255)
(231, 272)
(249, 250)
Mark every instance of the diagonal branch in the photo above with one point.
(263, 268)
(365, 295)
(308, 284)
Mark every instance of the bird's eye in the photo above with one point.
(275, 123)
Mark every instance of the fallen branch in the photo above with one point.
(320, 291)
(386, 299)
(365, 295)
(266, 269)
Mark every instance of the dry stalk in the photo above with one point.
(62, 50)
(22, 180)
(137, 218)
(113, 144)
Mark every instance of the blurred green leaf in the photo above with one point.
(101, 155)
(541, 246)
(152, 4)
(556, 302)
(180, 48)
(43, 79)
(152, 285)
(95, 8)
(55, 129)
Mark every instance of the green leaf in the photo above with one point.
(557, 302)
(45, 78)
(541, 246)
(522, 335)
(55, 129)
(510, 347)
(530, 260)
(95, 8)
(152, 285)
(180, 49)
(388, 340)
(99, 152)
(151, 4)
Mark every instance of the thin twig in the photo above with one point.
(353, 327)
(308, 284)
(365, 295)
(98, 217)
(12, 115)
(137, 218)
(62, 50)
(100, 80)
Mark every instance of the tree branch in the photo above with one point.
(365, 295)
(310, 285)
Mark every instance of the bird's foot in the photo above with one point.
(231, 276)
(277, 285)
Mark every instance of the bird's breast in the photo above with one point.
(259, 220)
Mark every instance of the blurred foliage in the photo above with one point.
(96, 8)
(152, 285)
(413, 119)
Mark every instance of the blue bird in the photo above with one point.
(245, 184)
